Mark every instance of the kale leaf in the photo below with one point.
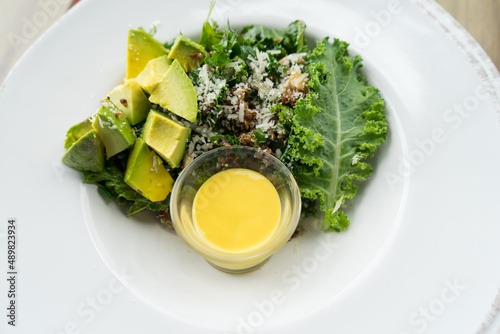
(334, 130)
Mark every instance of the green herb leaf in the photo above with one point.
(221, 139)
(152, 31)
(291, 39)
(209, 33)
(260, 136)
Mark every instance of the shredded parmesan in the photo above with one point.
(338, 204)
(355, 159)
(247, 105)
(208, 88)
(100, 122)
(155, 163)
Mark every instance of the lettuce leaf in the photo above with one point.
(334, 130)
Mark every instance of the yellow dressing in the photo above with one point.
(236, 209)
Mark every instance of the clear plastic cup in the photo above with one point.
(213, 162)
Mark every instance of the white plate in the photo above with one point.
(420, 255)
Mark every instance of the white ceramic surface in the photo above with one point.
(21, 23)
(420, 255)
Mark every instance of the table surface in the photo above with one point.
(479, 17)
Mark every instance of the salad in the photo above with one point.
(311, 107)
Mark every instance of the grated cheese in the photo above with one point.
(338, 204)
(100, 122)
(208, 88)
(253, 97)
(155, 163)
(355, 159)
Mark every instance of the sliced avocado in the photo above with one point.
(131, 100)
(176, 93)
(76, 132)
(86, 153)
(141, 48)
(146, 174)
(153, 73)
(113, 129)
(189, 53)
(165, 136)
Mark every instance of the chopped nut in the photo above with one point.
(246, 138)
(196, 55)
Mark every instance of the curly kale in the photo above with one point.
(334, 130)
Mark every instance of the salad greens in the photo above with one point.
(266, 88)
(111, 183)
(334, 130)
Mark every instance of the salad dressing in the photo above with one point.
(236, 210)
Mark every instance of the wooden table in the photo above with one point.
(479, 17)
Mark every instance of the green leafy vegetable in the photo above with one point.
(152, 31)
(291, 38)
(111, 182)
(260, 136)
(209, 33)
(229, 45)
(221, 139)
(325, 134)
(334, 130)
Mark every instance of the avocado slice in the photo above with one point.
(176, 93)
(113, 129)
(146, 174)
(166, 136)
(86, 153)
(189, 53)
(131, 100)
(141, 48)
(76, 132)
(153, 73)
